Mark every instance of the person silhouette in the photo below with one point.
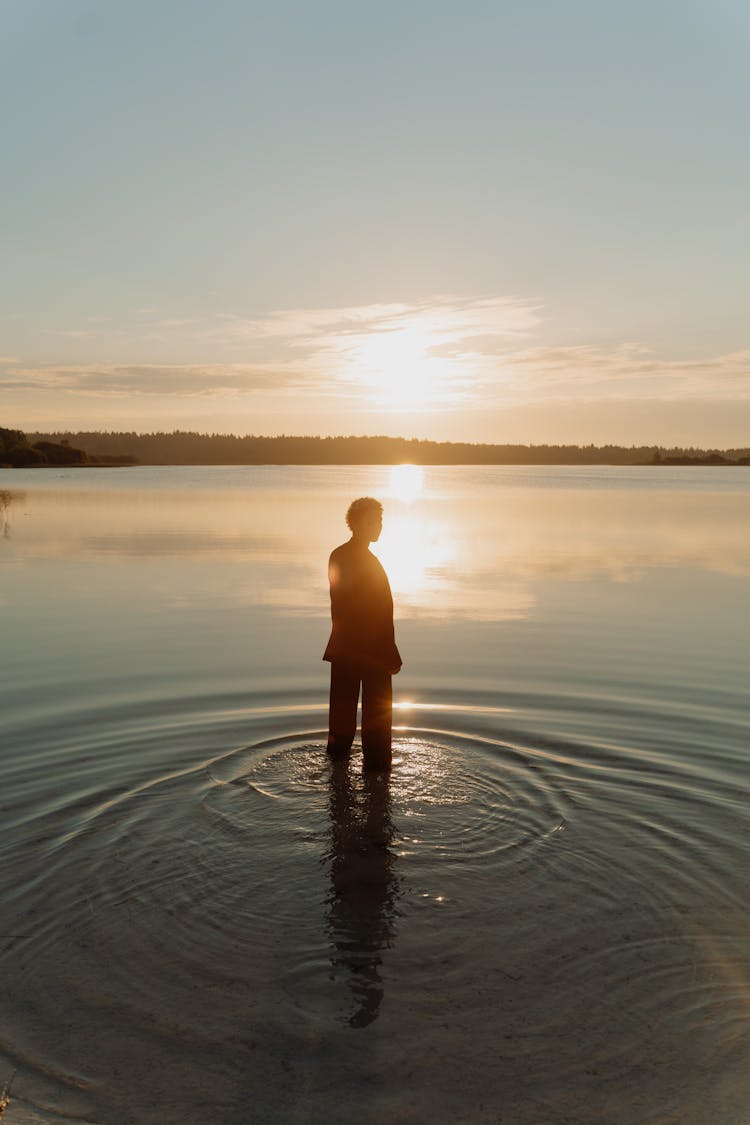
(362, 646)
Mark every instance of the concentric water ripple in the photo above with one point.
(510, 906)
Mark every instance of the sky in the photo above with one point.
(469, 220)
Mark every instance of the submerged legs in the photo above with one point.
(342, 709)
(377, 717)
(377, 696)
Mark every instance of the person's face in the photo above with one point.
(373, 525)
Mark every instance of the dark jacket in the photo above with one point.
(361, 611)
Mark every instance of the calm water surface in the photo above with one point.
(541, 918)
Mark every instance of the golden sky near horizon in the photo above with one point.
(462, 222)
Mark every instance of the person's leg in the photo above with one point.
(342, 711)
(377, 713)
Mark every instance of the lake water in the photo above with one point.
(541, 918)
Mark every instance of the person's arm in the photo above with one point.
(386, 627)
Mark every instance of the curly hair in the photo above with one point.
(361, 509)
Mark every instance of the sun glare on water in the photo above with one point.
(406, 482)
(414, 548)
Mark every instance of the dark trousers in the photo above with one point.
(377, 707)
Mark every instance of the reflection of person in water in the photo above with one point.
(362, 647)
(361, 918)
(6, 499)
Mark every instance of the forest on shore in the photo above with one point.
(17, 451)
(187, 448)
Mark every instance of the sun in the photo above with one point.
(397, 366)
(404, 365)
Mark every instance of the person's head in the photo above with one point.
(365, 518)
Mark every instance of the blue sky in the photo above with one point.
(489, 221)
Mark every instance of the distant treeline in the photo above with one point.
(17, 451)
(185, 448)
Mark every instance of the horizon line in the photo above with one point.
(378, 437)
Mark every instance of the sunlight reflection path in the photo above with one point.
(406, 483)
(413, 548)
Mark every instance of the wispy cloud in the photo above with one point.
(121, 380)
(442, 354)
(426, 354)
(75, 333)
(624, 371)
(497, 316)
